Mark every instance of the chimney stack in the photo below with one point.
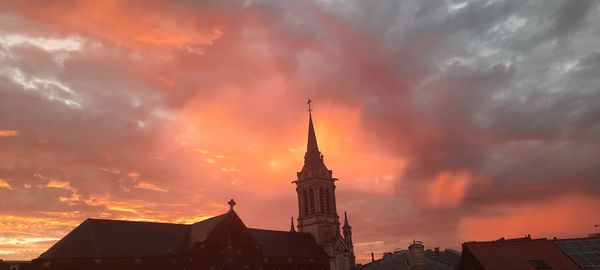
(372, 257)
(416, 253)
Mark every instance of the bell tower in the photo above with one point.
(317, 210)
(316, 194)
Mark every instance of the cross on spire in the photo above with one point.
(309, 105)
(231, 204)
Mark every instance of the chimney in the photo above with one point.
(416, 253)
(372, 257)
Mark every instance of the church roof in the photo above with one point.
(100, 238)
(119, 238)
(278, 243)
(200, 230)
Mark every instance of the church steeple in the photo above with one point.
(311, 146)
(313, 159)
(317, 211)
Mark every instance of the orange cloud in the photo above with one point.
(448, 189)
(60, 184)
(565, 216)
(4, 184)
(9, 133)
(111, 20)
(149, 186)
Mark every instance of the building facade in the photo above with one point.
(317, 209)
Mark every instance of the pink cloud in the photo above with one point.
(9, 133)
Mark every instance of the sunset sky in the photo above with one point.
(446, 121)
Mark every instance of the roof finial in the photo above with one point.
(293, 228)
(309, 105)
(231, 204)
(346, 223)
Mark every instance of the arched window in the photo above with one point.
(311, 195)
(321, 200)
(305, 198)
(327, 201)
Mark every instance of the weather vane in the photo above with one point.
(309, 105)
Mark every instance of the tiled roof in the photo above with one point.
(516, 254)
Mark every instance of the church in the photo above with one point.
(220, 242)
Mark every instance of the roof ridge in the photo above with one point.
(210, 218)
(267, 230)
(136, 221)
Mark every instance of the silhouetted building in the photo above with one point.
(521, 253)
(317, 210)
(15, 265)
(416, 258)
(221, 242)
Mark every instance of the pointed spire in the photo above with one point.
(313, 160)
(311, 146)
(346, 224)
(313, 155)
(292, 227)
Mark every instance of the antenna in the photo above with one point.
(309, 105)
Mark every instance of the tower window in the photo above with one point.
(311, 195)
(305, 198)
(327, 200)
(321, 200)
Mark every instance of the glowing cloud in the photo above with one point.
(4, 184)
(149, 186)
(9, 133)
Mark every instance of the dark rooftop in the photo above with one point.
(96, 238)
(445, 260)
(280, 243)
(522, 253)
(584, 251)
(119, 238)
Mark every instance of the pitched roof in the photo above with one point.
(99, 238)
(118, 238)
(200, 230)
(584, 251)
(279, 243)
(522, 253)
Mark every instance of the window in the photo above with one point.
(305, 198)
(311, 196)
(322, 200)
(539, 264)
(327, 201)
